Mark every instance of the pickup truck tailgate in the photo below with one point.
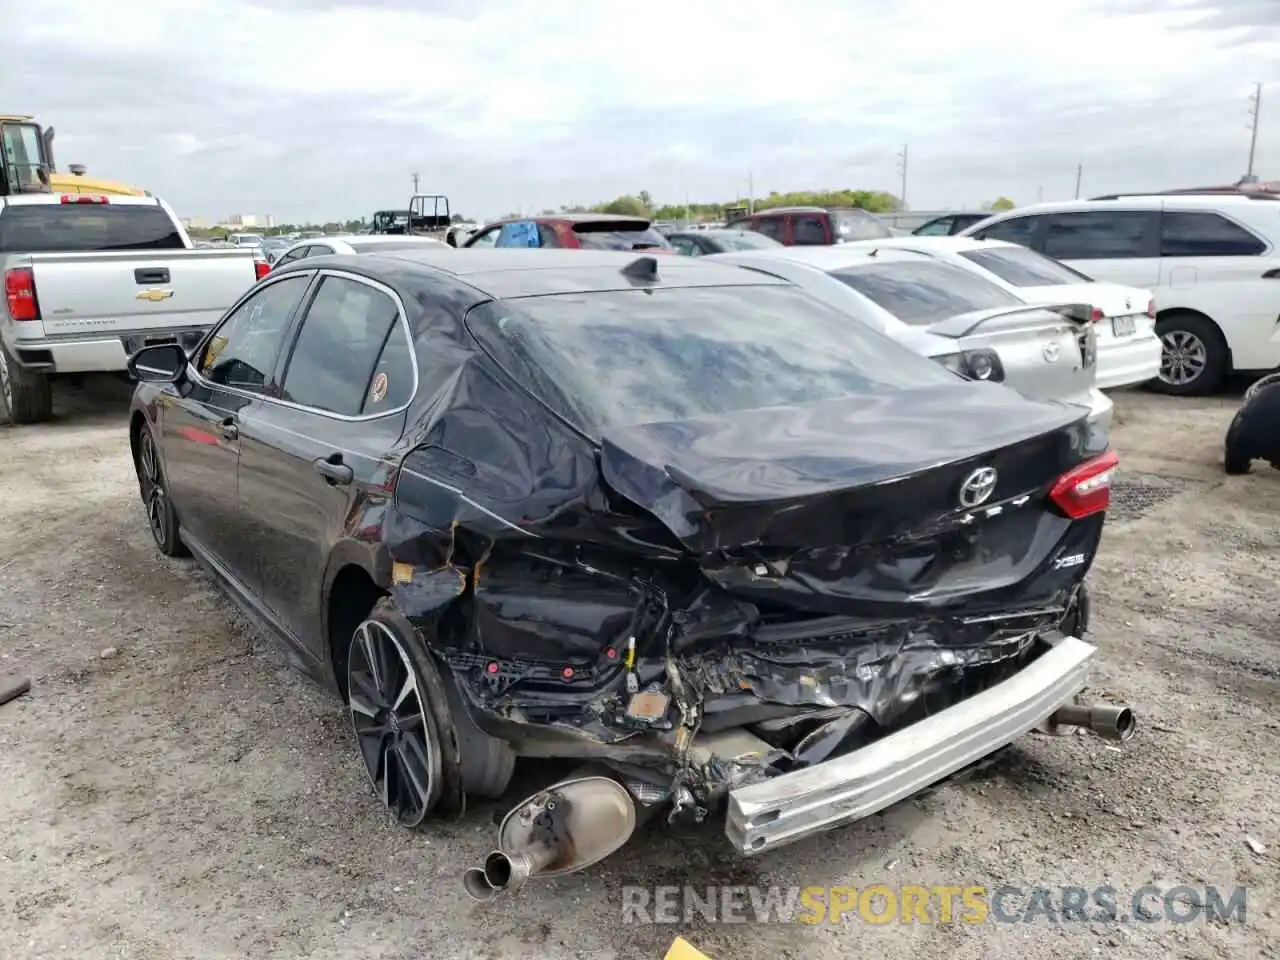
(114, 293)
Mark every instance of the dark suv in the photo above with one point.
(814, 226)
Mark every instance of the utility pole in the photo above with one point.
(902, 168)
(1079, 173)
(751, 193)
(415, 184)
(1255, 109)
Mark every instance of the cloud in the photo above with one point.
(318, 109)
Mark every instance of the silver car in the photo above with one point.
(959, 318)
(353, 243)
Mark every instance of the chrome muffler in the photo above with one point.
(1108, 722)
(569, 826)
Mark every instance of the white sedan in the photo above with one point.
(352, 243)
(1124, 317)
(966, 322)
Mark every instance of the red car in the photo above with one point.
(573, 231)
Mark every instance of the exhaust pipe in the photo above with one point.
(569, 826)
(1108, 722)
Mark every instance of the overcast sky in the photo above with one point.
(320, 109)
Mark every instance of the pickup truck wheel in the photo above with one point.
(26, 397)
(161, 517)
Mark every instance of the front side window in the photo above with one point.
(939, 227)
(488, 238)
(342, 337)
(1019, 230)
(626, 357)
(1205, 235)
(921, 292)
(1097, 235)
(1024, 268)
(243, 350)
(686, 246)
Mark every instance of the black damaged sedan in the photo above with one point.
(739, 555)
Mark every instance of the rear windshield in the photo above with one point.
(86, 227)
(604, 235)
(1024, 268)
(921, 292)
(635, 356)
(859, 225)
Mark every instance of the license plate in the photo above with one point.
(1123, 326)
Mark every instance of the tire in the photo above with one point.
(154, 490)
(1193, 358)
(400, 716)
(25, 397)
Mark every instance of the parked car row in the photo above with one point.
(749, 557)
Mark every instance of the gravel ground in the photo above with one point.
(171, 788)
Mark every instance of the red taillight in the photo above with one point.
(1096, 315)
(83, 198)
(1151, 309)
(20, 293)
(261, 268)
(1086, 489)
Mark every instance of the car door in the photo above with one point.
(201, 424)
(310, 453)
(1122, 246)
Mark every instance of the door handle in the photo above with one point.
(333, 470)
(229, 429)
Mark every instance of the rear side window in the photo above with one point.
(342, 339)
(1206, 235)
(603, 235)
(86, 227)
(1097, 235)
(1024, 268)
(921, 293)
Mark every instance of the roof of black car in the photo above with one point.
(530, 273)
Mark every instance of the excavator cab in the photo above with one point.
(26, 156)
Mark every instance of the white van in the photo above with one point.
(1211, 261)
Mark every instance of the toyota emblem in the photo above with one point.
(977, 487)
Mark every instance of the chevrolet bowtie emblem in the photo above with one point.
(155, 295)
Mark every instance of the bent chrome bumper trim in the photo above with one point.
(785, 808)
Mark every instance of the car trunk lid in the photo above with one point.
(844, 473)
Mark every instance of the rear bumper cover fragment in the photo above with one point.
(786, 808)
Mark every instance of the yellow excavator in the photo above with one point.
(26, 164)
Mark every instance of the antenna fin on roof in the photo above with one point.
(642, 268)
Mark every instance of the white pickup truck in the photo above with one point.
(88, 280)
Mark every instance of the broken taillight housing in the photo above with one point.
(1086, 489)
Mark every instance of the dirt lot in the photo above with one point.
(191, 796)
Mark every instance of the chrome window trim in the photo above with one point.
(328, 414)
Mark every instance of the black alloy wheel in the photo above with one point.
(395, 727)
(161, 517)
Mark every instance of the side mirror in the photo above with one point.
(162, 363)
